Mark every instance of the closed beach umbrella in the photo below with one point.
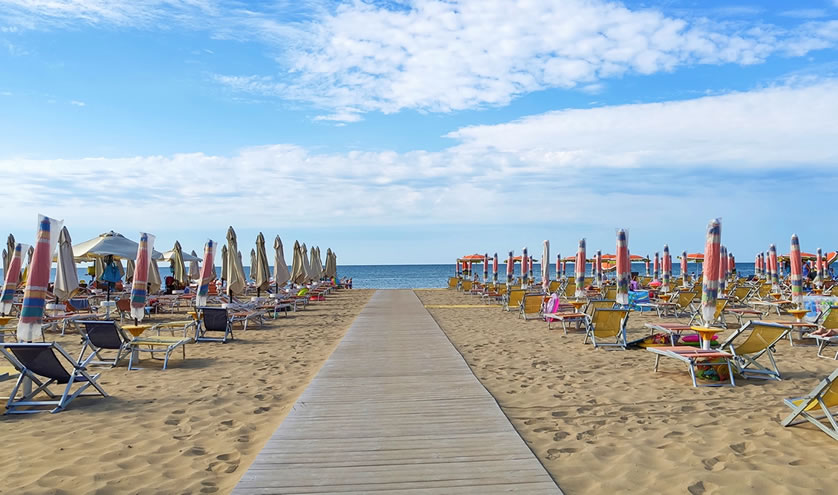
(297, 270)
(235, 271)
(154, 282)
(263, 272)
(207, 271)
(253, 263)
(775, 274)
(306, 265)
(223, 263)
(29, 254)
(142, 264)
(819, 266)
(598, 268)
(331, 265)
(194, 269)
(130, 268)
(623, 274)
(66, 276)
(320, 268)
(665, 268)
(524, 261)
(486, 268)
(34, 297)
(710, 284)
(731, 264)
(758, 265)
(558, 266)
(281, 273)
(10, 252)
(580, 269)
(495, 268)
(530, 268)
(796, 271)
(656, 273)
(545, 266)
(178, 265)
(647, 264)
(12, 279)
(315, 271)
(684, 268)
(722, 269)
(510, 267)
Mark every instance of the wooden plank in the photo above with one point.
(397, 410)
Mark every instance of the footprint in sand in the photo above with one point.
(696, 488)
(739, 448)
(261, 409)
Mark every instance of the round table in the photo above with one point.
(577, 304)
(4, 320)
(136, 330)
(817, 291)
(706, 334)
(798, 313)
(776, 295)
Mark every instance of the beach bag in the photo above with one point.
(654, 340)
(711, 372)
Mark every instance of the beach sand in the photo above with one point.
(603, 422)
(193, 428)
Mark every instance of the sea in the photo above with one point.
(430, 276)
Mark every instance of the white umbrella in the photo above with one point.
(262, 273)
(298, 274)
(281, 273)
(235, 271)
(169, 256)
(331, 269)
(66, 276)
(545, 266)
(223, 262)
(253, 264)
(109, 243)
(306, 265)
(8, 253)
(314, 264)
(194, 269)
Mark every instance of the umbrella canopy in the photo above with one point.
(819, 267)
(623, 267)
(648, 273)
(252, 263)
(298, 274)
(772, 265)
(263, 271)
(758, 265)
(223, 262)
(731, 264)
(139, 288)
(306, 264)
(796, 271)
(318, 264)
(154, 282)
(194, 268)
(110, 243)
(12, 274)
(281, 273)
(178, 265)
(10, 252)
(34, 297)
(169, 255)
(235, 271)
(666, 261)
(684, 268)
(710, 284)
(207, 271)
(29, 254)
(558, 266)
(580, 269)
(66, 276)
(545, 265)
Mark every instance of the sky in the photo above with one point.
(416, 131)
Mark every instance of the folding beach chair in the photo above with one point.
(760, 341)
(824, 397)
(608, 324)
(466, 285)
(696, 358)
(453, 282)
(100, 336)
(513, 299)
(531, 306)
(213, 320)
(35, 361)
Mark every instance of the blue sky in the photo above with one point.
(417, 131)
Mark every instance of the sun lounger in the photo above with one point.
(695, 358)
(748, 349)
(531, 306)
(155, 345)
(39, 361)
(608, 324)
(513, 299)
(99, 336)
(214, 320)
(818, 406)
(823, 343)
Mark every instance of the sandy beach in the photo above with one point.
(190, 429)
(603, 422)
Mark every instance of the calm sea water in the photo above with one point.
(426, 276)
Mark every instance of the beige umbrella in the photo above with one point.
(120, 268)
(194, 269)
(262, 271)
(329, 271)
(154, 281)
(298, 275)
(129, 270)
(98, 268)
(281, 273)
(110, 243)
(223, 262)
(9, 252)
(178, 266)
(306, 263)
(235, 271)
(25, 276)
(66, 276)
(253, 264)
(319, 266)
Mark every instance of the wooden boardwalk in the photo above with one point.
(396, 409)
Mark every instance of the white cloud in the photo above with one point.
(77, 103)
(804, 13)
(342, 115)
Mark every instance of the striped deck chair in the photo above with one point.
(608, 324)
(759, 342)
(532, 306)
(819, 407)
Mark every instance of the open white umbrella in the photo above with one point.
(235, 271)
(281, 273)
(109, 243)
(260, 271)
(66, 276)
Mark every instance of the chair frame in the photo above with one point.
(201, 330)
(622, 338)
(815, 396)
(96, 350)
(690, 357)
(746, 364)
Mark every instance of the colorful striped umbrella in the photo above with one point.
(796, 271)
(12, 278)
(772, 263)
(684, 268)
(545, 266)
(819, 266)
(207, 270)
(580, 269)
(558, 266)
(486, 268)
(495, 269)
(510, 268)
(139, 289)
(667, 267)
(656, 272)
(647, 266)
(710, 285)
(623, 267)
(731, 264)
(524, 260)
(32, 312)
(757, 266)
(598, 268)
(722, 269)
(529, 267)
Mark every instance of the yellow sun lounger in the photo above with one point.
(819, 407)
